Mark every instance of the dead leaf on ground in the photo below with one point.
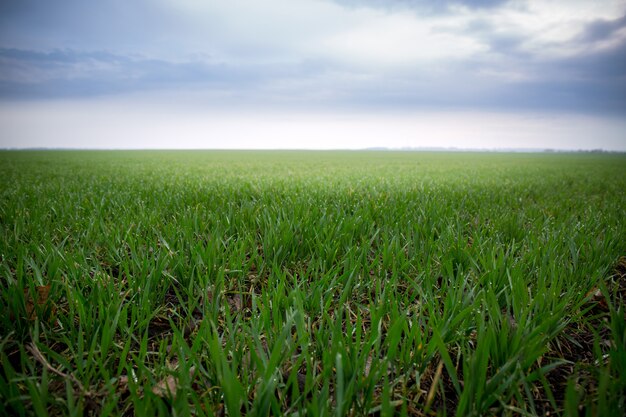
(39, 302)
(122, 382)
(596, 296)
(235, 302)
(121, 386)
(168, 386)
(300, 379)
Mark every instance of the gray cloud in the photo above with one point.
(117, 47)
(68, 73)
(600, 30)
(592, 83)
(441, 6)
(112, 25)
(591, 80)
(507, 44)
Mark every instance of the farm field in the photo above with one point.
(312, 283)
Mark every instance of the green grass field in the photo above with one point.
(312, 283)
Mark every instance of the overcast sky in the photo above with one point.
(313, 74)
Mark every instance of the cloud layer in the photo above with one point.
(557, 56)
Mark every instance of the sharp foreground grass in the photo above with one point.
(312, 284)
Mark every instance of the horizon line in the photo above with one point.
(367, 149)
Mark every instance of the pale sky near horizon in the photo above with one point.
(313, 74)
